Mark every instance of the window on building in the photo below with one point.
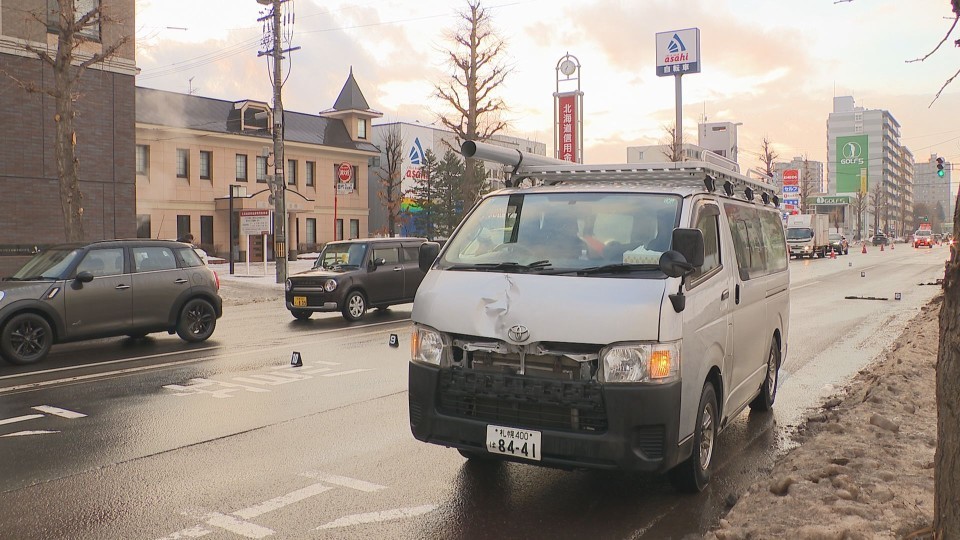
(311, 172)
(90, 31)
(338, 233)
(241, 167)
(312, 231)
(291, 172)
(362, 128)
(143, 226)
(206, 230)
(261, 169)
(183, 226)
(354, 228)
(183, 163)
(858, 128)
(143, 159)
(206, 165)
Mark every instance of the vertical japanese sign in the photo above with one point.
(852, 164)
(567, 113)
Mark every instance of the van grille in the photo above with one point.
(521, 401)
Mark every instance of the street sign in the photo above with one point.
(254, 222)
(345, 172)
(678, 52)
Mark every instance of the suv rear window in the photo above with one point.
(189, 257)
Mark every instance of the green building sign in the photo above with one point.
(852, 164)
(832, 199)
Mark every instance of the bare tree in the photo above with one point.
(946, 472)
(478, 71)
(878, 202)
(859, 206)
(390, 176)
(808, 185)
(672, 145)
(956, 19)
(767, 156)
(76, 32)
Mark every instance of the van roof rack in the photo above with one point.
(694, 174)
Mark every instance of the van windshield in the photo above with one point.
(339, 256)
(591, 233)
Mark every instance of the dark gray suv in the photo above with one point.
(352, 276)
(103, 289)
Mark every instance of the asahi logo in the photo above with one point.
(852, 154)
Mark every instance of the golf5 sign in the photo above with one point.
(678, 52)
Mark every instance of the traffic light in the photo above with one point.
(940, 172)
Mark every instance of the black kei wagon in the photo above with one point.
(352, 276)
(104, 289)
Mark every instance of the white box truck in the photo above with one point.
(808, 235)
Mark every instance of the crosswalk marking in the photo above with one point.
(279, 502)
(57, 411)
(20, 418)
(376, 517)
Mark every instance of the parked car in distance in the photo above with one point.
(103, 289)
(923, 237)
(880, 239)
(839, 244)
(353, 276)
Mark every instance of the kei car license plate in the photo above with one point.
(300, 301)
(521, 443)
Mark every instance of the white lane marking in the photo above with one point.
(807, 284)
(20, 418)
(279, 502)
(57, 411)
(172, 353)
(192, 532)
(352, 483)
(348, 372)
(375, 517)
(21, 433)
(236, 526)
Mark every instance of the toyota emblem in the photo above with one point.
(518, 333)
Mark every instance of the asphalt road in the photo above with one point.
(157, 439)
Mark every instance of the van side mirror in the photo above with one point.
(378, 261)
(84, 276)
(427, 255)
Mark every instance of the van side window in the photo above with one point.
(391, 254)
(747, 240)
(774, 241)
(707, 223)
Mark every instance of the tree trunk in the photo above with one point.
(71, 200)
(946, 474)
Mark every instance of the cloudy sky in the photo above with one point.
(773, 65)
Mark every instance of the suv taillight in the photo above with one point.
(217, 279)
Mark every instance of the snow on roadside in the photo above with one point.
(864, 466)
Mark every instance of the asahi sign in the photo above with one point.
(678, 52)
(852, 164)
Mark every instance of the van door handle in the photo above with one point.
(725, 295)
(398, 268)
(181, 281)
(737, 294)
(122, 287)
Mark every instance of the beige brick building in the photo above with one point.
(190, 150)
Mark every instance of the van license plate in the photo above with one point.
(521, 443)
(300, 301)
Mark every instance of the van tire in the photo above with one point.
(768, 391)
(693, 475)
(301, 314)
(354, 306)
(476, 455)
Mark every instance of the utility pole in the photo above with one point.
(278, 187)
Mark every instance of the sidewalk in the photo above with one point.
(242, 288)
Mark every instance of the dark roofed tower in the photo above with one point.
(352, 108)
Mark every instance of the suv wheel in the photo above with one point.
(354, 306)
(26, 339)
(301, 314)
(197, 321)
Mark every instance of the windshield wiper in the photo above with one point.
(502, 266)
(617, 268)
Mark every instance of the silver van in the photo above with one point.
(611, 317)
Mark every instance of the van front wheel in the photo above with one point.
(768, 392)
(693, 475)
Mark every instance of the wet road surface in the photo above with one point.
(157, 439)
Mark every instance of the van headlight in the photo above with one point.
(2, 295)
(426, 346)
(330, 285)
(641, 362)
(288, 285)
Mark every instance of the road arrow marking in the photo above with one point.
(376, 517)
(57, 411)
(20, 418)
(279, 502)
(37, 432)
(351, 483)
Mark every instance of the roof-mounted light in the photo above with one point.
(765, 198)
(748, 193)
(710, 183)
(728, 188)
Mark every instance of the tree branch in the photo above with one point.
(950, 80)
(942, 41)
